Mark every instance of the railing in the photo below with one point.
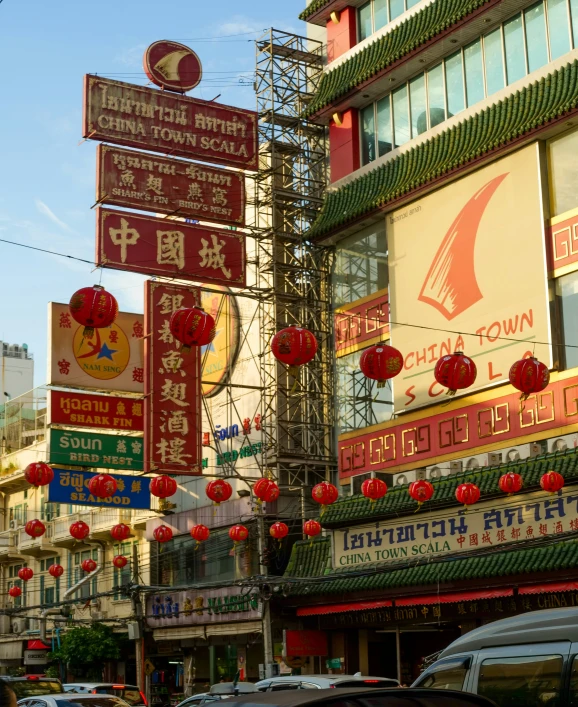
(11, 536)
(25, 541)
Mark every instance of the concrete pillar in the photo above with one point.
(363, 652)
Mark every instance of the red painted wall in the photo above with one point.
(343, 35)
(344, 145)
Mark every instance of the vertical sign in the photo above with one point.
(172, 385)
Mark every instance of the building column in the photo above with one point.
(344, 144)
(212, 665)
(341, 32)
(363, 652)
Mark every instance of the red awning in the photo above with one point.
(455, 597)
(36, 645)
(340, 608)
(553, 587)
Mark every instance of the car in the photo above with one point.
(67, 699)
(31, 685)
(129, 693)
(320, 682)
(199, 699)
(220, 691)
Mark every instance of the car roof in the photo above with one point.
(100, 684)
(328, 677)
(70, 696)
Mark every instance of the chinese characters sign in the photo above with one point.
(80, 410)
(138, 243)
(206, 607)
(172, 386)
(72, 487)
(563, 243)
(95, 450)
(143, 181)
(130, 115)
(362, 324)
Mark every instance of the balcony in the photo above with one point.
(99, 520)
(61, 536)
(103, 519)
(140, 518)
(9, 551)
(36, 547)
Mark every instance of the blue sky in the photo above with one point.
(47, 180)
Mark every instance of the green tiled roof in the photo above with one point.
(514, 116)
(313, 7)
(309, 558)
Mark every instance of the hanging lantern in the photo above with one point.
(279, 530)
(421, 491)
(455, 372)
(120, 532)
(200, 533)
(510, 482)
(311, 528)
(552, 481)
(325, 494)
(266, 490)
(94, 307)
(219, 491)
(15, 592)
(102, 486)
(380, 363)
(79, 530)
(238, 533)
(468, 494)
(192, 327)
(294, 347)
(38, 474)
(25, 573)
(88, 565)
(374, 489)
(529, 376)
(35, 528)
(163, 486)
(163, 534)
(56, 570)
(119, 561)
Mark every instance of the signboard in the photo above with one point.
(361, 324)
(562, 237)
(80, 410)
(478, 424)
(136, 116)
(219, 357)
(463, 260)
(112, 359)
(305, 643)
(209, 606)
(35, 657)
(143, 181)
(95, 450)
(71, 487)
(172, 386)
(152, 246)
(486, 524)
(172, 66)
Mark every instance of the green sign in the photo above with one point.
(96, 450)
(249, 450)
(333, 663)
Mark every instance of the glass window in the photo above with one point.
(455, 84)
(368, 134)
(380, 13)
(536, 45)
(567, 291)
(396, 8)
(558, 28)
(574, 13)
(446, 675)
(563, 173)
(435, 95)
(494, 61)
(418, 106)
(474, 72)
(384, 136)
(400, 116)
(573, 693)
(365, 21)
(514, 41)
(519, 682)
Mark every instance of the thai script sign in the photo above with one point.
(140, 117)
(563, 242)
(361, 324)
(455, 530)
(139, 243)
(72, 487)
(172, 385)
(95, 450)
(80, 410)
(140, 180)
(202, 607)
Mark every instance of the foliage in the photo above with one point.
(16, 671)
(84, 650)
(53, 671)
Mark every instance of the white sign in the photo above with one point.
(35, 657)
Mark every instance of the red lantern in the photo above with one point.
(163, 486)
(88, 565)
(200, 533)
(238, 533)
(35, 528)
(421, 491)
(102, 486)
(56, 570)
(119, 561)
(79, 530)
(294, 347)
(120, 532)
(279, 530)
(163, 534)
(38, 474)
(455, 372)
(510, 482)
(219, 491)
(25, 573)
(468, 494)
(325, 493)
(374, 489)
(552, 481)
(311, 528)
(380, 363)
(192, 327)
(15, 592)
(266, 490)
(529, 376)
(94, 307)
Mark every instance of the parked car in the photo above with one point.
(529, 659)
(31, 685)
(321, 682)
(220, 691)
(128, 693)
(68, 699)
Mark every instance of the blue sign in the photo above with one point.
(72, 487)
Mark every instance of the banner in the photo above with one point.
(71, 487)
(208, 606)
(80, 410)
(95, 450)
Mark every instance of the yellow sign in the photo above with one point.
(149, 667)
(468, 273)
(218, 358)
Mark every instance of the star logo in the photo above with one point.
(105, 352)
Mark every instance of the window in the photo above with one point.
(401, 116)
(563, 168)
(559, 27)
(519, 682)
(515, 56)
(567, 291)
(49, 586)
(573, 692)
(494, 61)
(360, 264)
(87, 588)
(455, 84)
(536, 45)
(474, 73)
(123, 575)
(375, 14)
(446, 675)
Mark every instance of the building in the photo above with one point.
(17, 370)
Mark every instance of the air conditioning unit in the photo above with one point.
(420, 474)
(34, 625)
(494, 458)
(513, 455)
(537, 448)
(559, 445)
(19, 625)
(472, 464)
(357, 481)
(12, 525)
(456, 467)
(435, 472)
(98, 615)
(400, 480)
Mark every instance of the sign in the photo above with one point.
(219, 357)
(202, 607)
(562, 235)
(464, 260)
(143, 181)
(152, 246)
(172, 386)
(136, 116)
(95, 450)
(475, 424)
(71, 487)
(361, 324)
(304, 643)
(35, 657)
(112, 359)
(149, 667)
(443, 532)
(80, 410)
(333, 663)
(172, 66)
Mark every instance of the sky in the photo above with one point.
(47, 173)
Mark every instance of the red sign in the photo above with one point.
(432, 436)
(172, 66)
(172, 434)
(143, 181)
(563, 241)
(302, 643)
(153, 246)
(361, 324)
(134, 116)
(80, 410)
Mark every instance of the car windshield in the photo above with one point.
(80, 701)
(360, 682)
(127, 693)
(31, 688)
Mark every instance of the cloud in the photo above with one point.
(241, 25)
(131, 57)
(46, 211)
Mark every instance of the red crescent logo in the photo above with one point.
(172, 66)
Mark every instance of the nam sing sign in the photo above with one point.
(81, 410)
(130, 115)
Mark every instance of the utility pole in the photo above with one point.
(267, 633)
(138, 614)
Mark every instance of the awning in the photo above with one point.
(36, 645)
(553, 587)
(234, 629)
(11, 650)
(225, 629)
(176, 634)
(455, 597)
(341, 608)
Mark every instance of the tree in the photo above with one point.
(84, 650)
